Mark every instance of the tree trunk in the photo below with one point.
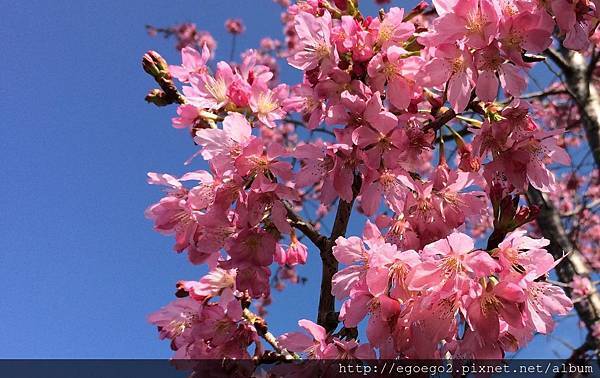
(578, 79)
(573, 263)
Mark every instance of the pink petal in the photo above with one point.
(424, 275)
(487, 86)
(345, 280)
(314, 329)
(348, 251)
(295, 341)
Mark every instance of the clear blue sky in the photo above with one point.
(80, 267)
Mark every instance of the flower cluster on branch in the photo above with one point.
(445, 266)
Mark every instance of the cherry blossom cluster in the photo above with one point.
(241, 204)
(380, 100)
(418, 303)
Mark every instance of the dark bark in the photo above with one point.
(578, 72)
(573, 262)
(327, 317)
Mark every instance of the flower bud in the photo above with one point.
(154, 64)
(234, 26)
(158, 97)
(296, 254)
(468, 162)
(341, 4)
(417, 10)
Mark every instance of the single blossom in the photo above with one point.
(451, 264)
(453, 65)
(316, 48)
(223, 146)
(391, 30)
(312, 344)
(576, 20)
(399, 70)
(267, 103)
(208, 91)
(474, 20)
(193, 62)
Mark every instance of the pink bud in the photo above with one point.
(296, 254)
(234, 26)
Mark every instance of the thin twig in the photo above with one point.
(306, 227)
(261, 328)
(440, 120)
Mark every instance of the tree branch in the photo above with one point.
(586, 96)
(559, 60)
(574, 262)
(261, 328)
(540, 94)
(306, 228)
(578, 357)
(327, 317)
(440, 120)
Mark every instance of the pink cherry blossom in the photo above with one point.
(398, 70)
(224, 145)
(296, 253)
(315, 39)
(193, 62)
(312, 344)
(266, 103)
(391, 30)
(582, 286)
(175, 321)
(411, 123)
(494, 72)
(474, 20)
(348, 350)
(496, 302)
(391, 184)
(575, 18)
(454, 65)
(451, 264)
(176, 213)
(525, 30)
(208, 91)
(234, 26)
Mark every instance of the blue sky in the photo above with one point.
(80, 267)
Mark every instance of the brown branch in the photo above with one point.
(576, 71)
(558, 59)
(578, 357)
(262, 330)
(579, 209)
(540, 94)
(574, 262)
(327, 317)
(440, 120)
(157, 67)
(306, 228)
